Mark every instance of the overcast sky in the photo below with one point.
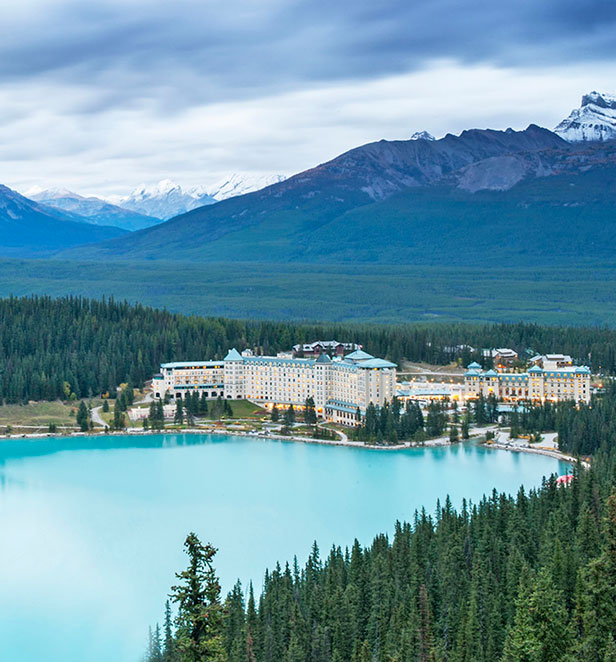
(101, 95)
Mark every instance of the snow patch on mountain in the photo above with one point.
(422, 135)
(242, 183)
(163, 200)
(594, 120)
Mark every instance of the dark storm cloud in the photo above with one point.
(185, 52)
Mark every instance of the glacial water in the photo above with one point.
(91, 530)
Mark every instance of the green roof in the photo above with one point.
(233, 355)
(359, 355)
(377, 363)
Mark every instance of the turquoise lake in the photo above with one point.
(91, 530)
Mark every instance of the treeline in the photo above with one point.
(510, 579)
(394, 422)
(74, 347)
(582, 429)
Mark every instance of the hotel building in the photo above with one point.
(338, 386)
(537, 385)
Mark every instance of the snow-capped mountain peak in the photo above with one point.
(164, 200)
(422, 135)
(594, 120)
(89, 208)
(241, 183)
(39, 193)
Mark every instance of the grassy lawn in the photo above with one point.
(245, 409)
(38, 413)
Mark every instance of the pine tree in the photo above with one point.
(82, 417)
(199, 621)
(275, 416)
(169, 642)
(541, 628)
(596, 604)
(178, 417)
(310, 414)
(119, 422)
(289, 416)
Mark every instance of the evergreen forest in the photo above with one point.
(525, 578)
(58, 348)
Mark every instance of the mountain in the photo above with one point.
(595, 120)
(92, 209)
(294, 220)
(422, 135)
(239, 184)
(28, 228)
(163, 200)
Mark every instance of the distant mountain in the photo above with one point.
(295, 219)
(92, 209)
(28, 228)
(239, 184)
(163, 200)
(422, 135)
(595, 120)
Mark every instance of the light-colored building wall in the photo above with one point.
(339, 387)
(536, 385)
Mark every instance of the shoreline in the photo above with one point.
(430, 443)
(433, 443)
(556, 454)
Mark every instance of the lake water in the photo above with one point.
(91, 530)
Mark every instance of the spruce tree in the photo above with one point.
(199, 622)
(82, 417)
(178, 417)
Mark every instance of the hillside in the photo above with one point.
(29, 229)
(451, 201)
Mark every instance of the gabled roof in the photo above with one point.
(536, 368)
(233, 355)
(358, 355)
(474, 366)
(491, 373)
(323, 358)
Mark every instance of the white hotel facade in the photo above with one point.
(339, 387)
(550, 383)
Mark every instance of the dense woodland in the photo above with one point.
(55, 348)
(530, 578)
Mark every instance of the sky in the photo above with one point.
(101, 96)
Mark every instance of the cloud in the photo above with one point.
(101, 96)
(195, 51)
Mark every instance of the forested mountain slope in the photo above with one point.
(290, 221)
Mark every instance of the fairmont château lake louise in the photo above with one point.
(342, 386)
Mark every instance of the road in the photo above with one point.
(95, 413)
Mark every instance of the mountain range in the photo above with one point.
(32, 229)
(484, 195)
(481, 195)
(92, 209)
